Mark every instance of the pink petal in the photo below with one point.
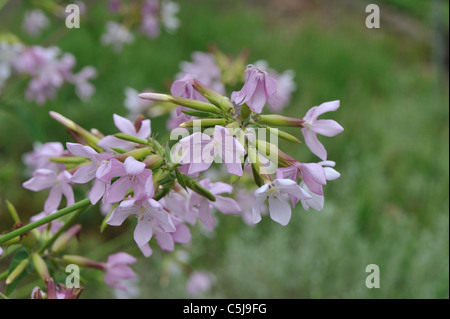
(313, 143)
(165, 241)
(327, 107)
(145, 130)
(280, 211)
(256, 208)
(205, 215)
(124, 125)
(226, 205)
(258, 99)
(81, 150)
(97, 191)
(328, 128)
(143, 232)
(109, 142)
(53, 200)
(121, 258)
(117, 191)
(84, 174)
(133, 167)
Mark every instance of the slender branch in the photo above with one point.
(45, 220)
(66, 225)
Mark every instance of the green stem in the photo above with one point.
(45, 220)
(66, 225)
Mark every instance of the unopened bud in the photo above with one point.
(130, 138)
(40, 266)
(138, 154)
(63, 240)
(279, 120)
(153, 161)
(212, 96)
(193, 104)
(83, 262)
(17, 271)
(203, 123)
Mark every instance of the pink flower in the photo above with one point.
(199, 282)
(83, 88)
(205, 69)
(276, 193)
(225, 205)
(35, 21)
(150, 215)
(199, 151)
(134, 104)
(1, 251)
(183, 87)
(313, 126)
(103, 167)
(149, 18)
(259, 86)
(127, 127)
(40, 156)
(312, 174)
(87, 173)
(59, 185)
(316, 201)
(177, 203)
(132, 175)
(117, 270)
(166, 240)
(285, 86)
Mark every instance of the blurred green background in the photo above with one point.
(390, 207)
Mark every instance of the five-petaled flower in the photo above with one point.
(275, 192)
(312, 126)
(259, 86)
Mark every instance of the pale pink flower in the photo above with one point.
(199, 151)
(41, 154)
(127, 127)
(59, 185)
(151, 218)
(259, 86)
(117, 270)
(132, 175)
(276, 192)
(312, 126)
(35, 21)
(199, 282)
(225, 205)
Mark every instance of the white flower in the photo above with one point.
(276, 192)
(116, 35)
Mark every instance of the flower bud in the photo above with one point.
(203, 123)
(279, 120)
(83, 262)
(193, 104)
(17, 271)
(153, 161)
(12, 210)
(284, 135)
(130, 138)
(212, 96)
(62, 241)
(71, 125)
(40, 266)
(137, 154)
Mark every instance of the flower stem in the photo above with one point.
(45, 220)
(66, 225)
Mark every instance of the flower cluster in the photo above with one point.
(149, 16)
(165, 190)
(47, 68)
